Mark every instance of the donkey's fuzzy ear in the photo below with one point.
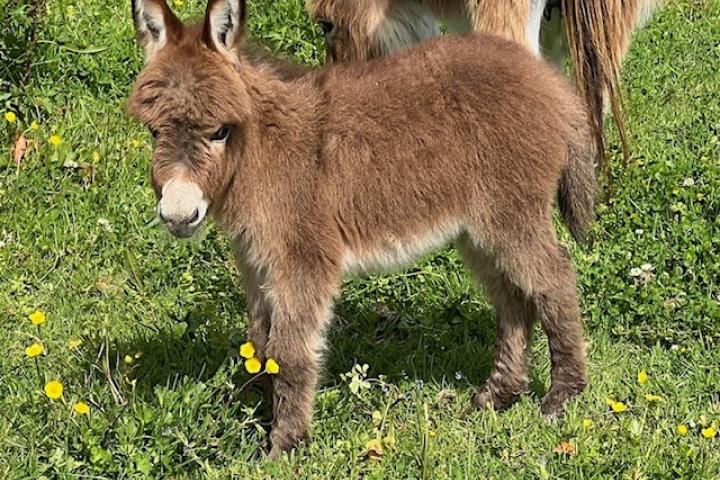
(224, 24)
(155, 24)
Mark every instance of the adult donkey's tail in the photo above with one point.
(578, 184)
(599, 33)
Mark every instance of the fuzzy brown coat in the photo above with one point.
(366, 167)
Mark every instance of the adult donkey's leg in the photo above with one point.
(510, 19)
(302, 301)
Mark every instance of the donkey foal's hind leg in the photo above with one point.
(559, 311)
(539, 268)
(515, 317)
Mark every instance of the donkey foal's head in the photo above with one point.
(195, 104)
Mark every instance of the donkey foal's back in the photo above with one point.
(366, 167)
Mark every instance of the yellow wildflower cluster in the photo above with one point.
(11, 117)
(253, 364)
(681, 430)
(54, 388)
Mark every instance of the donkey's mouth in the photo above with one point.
(183, 231)
(184, 227)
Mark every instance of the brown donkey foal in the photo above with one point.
(366, 167)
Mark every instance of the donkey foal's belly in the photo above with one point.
(392, 253)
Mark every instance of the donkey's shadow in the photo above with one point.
(453, 345)
(450, 344)
(445, 346)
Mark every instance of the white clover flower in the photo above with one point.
(104, 223)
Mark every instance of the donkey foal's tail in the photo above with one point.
(578, 187)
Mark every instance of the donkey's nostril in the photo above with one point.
(194, 218)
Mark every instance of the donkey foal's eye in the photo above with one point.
(221, 135)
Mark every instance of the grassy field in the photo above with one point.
(146, 330)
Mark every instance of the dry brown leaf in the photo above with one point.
(565, 448)
(21, 146)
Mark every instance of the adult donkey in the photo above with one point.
(320, 174)
(596, 34)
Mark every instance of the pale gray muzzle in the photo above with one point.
(182, 207)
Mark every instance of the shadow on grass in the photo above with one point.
(451, 345)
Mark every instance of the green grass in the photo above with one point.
(178, 410)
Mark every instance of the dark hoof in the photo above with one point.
(553, 405)
(487, 397)
(286, 443)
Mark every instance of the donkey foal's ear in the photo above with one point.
(155, 24)
(224, 24)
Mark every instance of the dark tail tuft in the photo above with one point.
(578, 187)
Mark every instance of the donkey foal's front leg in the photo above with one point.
(296, 337)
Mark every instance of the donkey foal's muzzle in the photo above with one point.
(182, 207)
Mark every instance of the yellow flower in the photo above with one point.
(34, 350)
(96, 156)
(81, 408)
(374, 449)
(253, 365)
(247, 350)
(653, 398)
(619, 407)
(34, 126)
(377, 417)
(272, 367)
(128, 359)
(135, 143)
(10, 117)
(389, 441)
(74, 343)
(642, 377)
(179, 3)
(53, 389)
(682, 430)
(37, 318)
(709, 432)
(55, 140)
(587, 423)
